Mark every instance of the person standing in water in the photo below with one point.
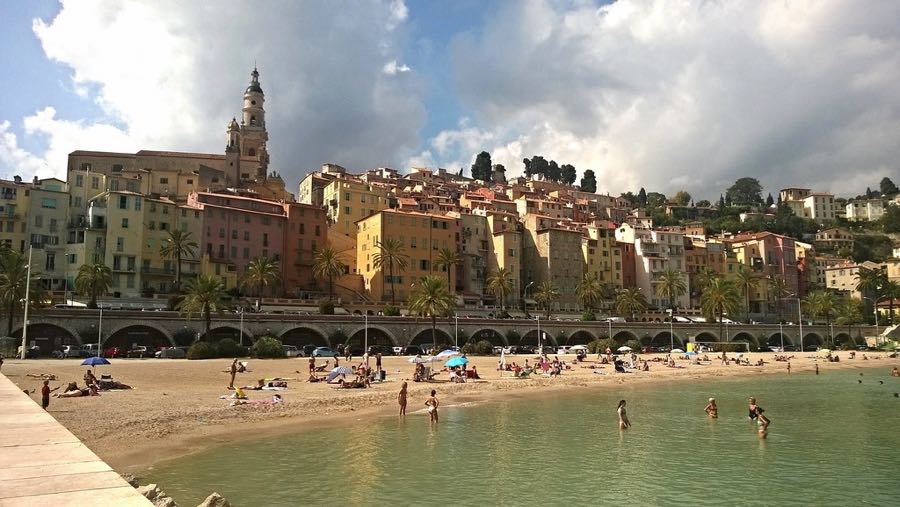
(401, 399)
(762, 422)
(789, 367)
(624, 423)
(753, 409)
(432, 404)
(711, 409)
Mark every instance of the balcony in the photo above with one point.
(157, 271)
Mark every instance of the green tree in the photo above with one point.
(642, 197)
(888, 189)
(568, 174)
(746, 280)
(391, 252)
(671, 286)
(769, 200)
(703, 203)
(849, 313)
(589, 181)
(93, 280)
(528, 170)
(481, 169)
(890, 222)
(589, 292)
(720, 297)
(430, 298)
(546, 294)
(821, 304)
(890, 290)
(777, 291)
(327, 264)
(631, 302)
(447, 259)
(744, 192)
(554, 173)
(682, 198)
(204, 295)
(500, 283)
(176, 246)
(13, 278)
(703, 278)
(261, 273)
(539, 165)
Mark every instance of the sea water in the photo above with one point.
(832, 441)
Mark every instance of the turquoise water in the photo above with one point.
(833, 441)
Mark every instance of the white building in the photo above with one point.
(865, 209)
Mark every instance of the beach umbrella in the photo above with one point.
(340, 370)
(416, 360)
(624, 349)
(456, 361)
(447, 353)
(94, 361)
(579, 347)
(677, 351)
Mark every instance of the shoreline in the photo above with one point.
(139, 437)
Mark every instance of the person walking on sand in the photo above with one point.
(711, 409)
(624, 423)
(401, 399)
(312, 365)
(233, 373)
(45, 394)
(432, 404)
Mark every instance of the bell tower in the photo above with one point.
(252, 134)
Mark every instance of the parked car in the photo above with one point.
(140, 351)
(32, 352)
(384, 350)
(649, 350)
(291, 351)
(114, 352)
(70, 351)
(308, 350)
(323, 352)
(772, 348)
(171, 353)
(683, 320)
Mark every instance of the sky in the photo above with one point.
(667, 95)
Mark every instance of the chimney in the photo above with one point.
(35, 180)
(17, 178)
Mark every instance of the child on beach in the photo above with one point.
(712, 409)
(432, 404)
(762, 422)
(45, 394)
(624, 423)
(401, 399)
(753, 409)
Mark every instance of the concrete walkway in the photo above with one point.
(44, 464)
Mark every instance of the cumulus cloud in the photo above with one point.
(670, 95)
(392, 68)
(167, 78)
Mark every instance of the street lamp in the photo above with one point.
(100, 334)
(456, 331)
(781, 334)
(671, 333)
(875, 311)
(525, 296)
(25, 316)
(799, 317)
(241, 312)
(538, 319)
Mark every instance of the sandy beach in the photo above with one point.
(175, 406)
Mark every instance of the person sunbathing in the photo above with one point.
(76, 393)
(258, 387)
(110, 384)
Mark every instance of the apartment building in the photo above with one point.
(14, 204)
(834, 239)
(768, 255)
(597, 250)
(553, 253)
(473, 248)
(864, 209)
(348, 200)
(505, 250)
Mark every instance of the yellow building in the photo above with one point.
(14, 201)
(422, 235)
(349, 200)
(597, 250)
(505, 251)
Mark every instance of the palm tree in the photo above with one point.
(93, 280)
(719, 297)
(176, 246)
(446, 259)
(671, 286)
(546, 294)
(891, 291)
(13, 278)
(704, 276)
(821, 304)
(390, 252)
(203, 295)
(849, 312)
(500, 283)
(870, 283)
(430, 298)
(777, 288)
(631, 302)
(261, 273)
(746, 280)
(327, 264)
(589, 292)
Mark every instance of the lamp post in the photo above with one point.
(538, 319)
(799, 317)
(366, 339)
(100, 334)
(781, 334)
(875, 311)
(456, 331)
(27, 293)
(241, 338)
(525, 296)
(671, 333)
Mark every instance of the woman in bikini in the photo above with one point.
(432, 404)
(624, 423)
(753, 409)
(401, 399)
(711, 409)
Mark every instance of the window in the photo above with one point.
(39, 220)
(317, 231)
(164, 181)
(221, 232)
(152, 225)
(246, 235)
(246, 219)
(117, 262)
(412, 242)
(302, 228)
(347, 210)
(233, 252)
(234, 234)
(362, 198)
(423, 265)
(72, 258)
(50, 264)
(346, 196)
(190, 181)
(95, 182)
(48, 203)
(246, 253)
(114, 185)
(265, 241)
(266, 220)
(117, 168)
(79, 180)
(129, 281)
(265, 253)
(512, 253)
(221, 250)
(123, 202)
(78, 202)
(164, 226)
(130, 261)
(124, 223)
(137, 204)
(313, 246)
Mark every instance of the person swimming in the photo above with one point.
(712, 409)
(624, 423)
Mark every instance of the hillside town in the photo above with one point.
(505, 246)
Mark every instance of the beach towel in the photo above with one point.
(267, 388)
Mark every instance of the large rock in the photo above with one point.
(214, 500)
(150, 491)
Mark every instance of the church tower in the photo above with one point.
(246, 143)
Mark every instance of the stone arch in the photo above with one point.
(744, 336)
(377, 336)
(531, 338)
(706, 336)
(580, 337)
(812, 340)
(423, 338)
(129, 335)
(489, 334)
(49, 337)
(775, 340)
(222, 332)
(301, 336)
(842, 338)
(662, 339)
(623, 336)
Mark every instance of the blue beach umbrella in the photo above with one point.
(94, 361)
(456, 361)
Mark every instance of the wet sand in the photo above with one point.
(174, 408)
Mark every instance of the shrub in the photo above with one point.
(229, 348)
(184, 336)
(267, 347)
(479, 348)
(634, 344)
(391, 311)
(588, 316)
(202, 350)
(326, 308)
(600, 346)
